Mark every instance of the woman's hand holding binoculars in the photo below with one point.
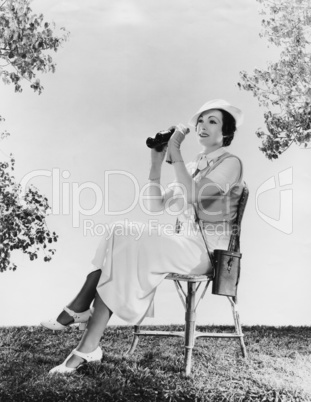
(173, 152)
(178, 135)
(171, 138)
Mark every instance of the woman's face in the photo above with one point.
(209, 129)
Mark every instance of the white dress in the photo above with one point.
(136, 258)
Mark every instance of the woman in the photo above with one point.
(128, 269)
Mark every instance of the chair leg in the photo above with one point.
(190, 318)
(134, 341)
(237, 323)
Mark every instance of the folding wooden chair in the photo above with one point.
(188, 299)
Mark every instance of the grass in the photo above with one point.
(278, 367)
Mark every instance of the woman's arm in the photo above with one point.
(156, 196)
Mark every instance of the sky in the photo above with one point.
(130, 69)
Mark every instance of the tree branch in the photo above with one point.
(288, 146)
(3, 3)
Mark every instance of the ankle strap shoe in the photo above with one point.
(78, 318)
(94, 356)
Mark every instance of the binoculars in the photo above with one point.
(160, 140)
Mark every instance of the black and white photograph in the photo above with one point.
(155, 170)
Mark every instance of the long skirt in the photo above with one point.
(135, 258)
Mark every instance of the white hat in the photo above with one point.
(236, 113)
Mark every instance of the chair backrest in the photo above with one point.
(234, 244)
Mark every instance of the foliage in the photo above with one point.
(278, 368)
(25, 39)
(284, 86)
(22, 219)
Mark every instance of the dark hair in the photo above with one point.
(228, 127)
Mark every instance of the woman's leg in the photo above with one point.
(83, 299)
(95, 328)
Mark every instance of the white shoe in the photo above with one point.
(87, 357)
(81, 318)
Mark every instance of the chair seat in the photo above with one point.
(187, 278)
